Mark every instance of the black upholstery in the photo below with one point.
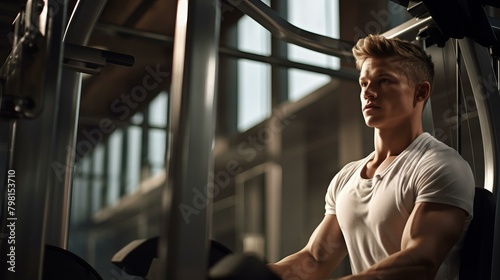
(478, 244)
(137, 257)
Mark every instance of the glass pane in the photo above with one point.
(254, 93)
(115, 158)
(158, 110)
(156, 156)
(79, 194)
(302, 83)
(137, 118)
(252, 37)
(133, 158)
(317, 16)
(321, 17)
(98, 175)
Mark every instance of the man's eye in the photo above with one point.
(384, 81)
(363, 84)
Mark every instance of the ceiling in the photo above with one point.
(129, 27)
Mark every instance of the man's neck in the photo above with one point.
(391, 142)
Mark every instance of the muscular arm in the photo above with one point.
(431, 231)
(324, 251)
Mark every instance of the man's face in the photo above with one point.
(387, 99)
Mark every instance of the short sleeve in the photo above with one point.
(337, 183)
(445, 177)
(330, 197)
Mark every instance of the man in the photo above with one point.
(401, 212)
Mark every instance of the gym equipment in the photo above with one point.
(287, 32)
(477, 248)
(137, 257)
(33, 108)
(60, 264)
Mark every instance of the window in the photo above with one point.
(317, 16)
(133, 175)
(254, 93)
(157, 140)
(80, 193)
(156, 151)
(114, 166)
(254, 78)
(158, 110)
(98, 171)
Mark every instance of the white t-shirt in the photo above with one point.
(372, 213)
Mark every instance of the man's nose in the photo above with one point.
(369, 92)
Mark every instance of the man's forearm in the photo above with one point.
(302, 265)
(405, 264)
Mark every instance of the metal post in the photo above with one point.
(459, 94)
(30, 169)
(187, 196)
(480, 69)
(81, 25)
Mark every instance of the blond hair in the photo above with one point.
(416, 65)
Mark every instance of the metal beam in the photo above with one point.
(290, 33)
(187, 198)
(32, 154)
(480, 70)
(342, 74)
(408, 30)
(80, 27)
(234, 53)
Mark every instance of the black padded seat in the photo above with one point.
(478, 243)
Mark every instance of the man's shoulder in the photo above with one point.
(434, 154)
(433, 147)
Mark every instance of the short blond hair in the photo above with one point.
(416, 64)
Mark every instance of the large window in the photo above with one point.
(254, 88)
(133, 174)
(254, 78)
(317, 16)
(98, 175)
(115, 142)
(133, 152)
(157, 136)
(80, 191)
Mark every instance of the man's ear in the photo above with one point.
(422, 91)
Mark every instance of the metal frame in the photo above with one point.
(44, 171)
(287, 32)
(235, 53)
(479, 66)
(34, 142)
(189, 159)
(79, 29)
(183, 246)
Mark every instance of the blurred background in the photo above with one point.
(288, 119)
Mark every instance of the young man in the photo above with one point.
(401, 212)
